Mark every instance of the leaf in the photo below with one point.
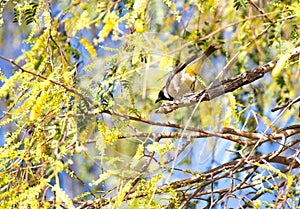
(25, 13)
(239, 3)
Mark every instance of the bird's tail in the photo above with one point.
(197, 60)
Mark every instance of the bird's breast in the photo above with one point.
(181, 84)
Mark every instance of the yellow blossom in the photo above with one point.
(139, 26)
(89, 47)
(109, 21)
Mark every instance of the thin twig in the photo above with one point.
(70, 89)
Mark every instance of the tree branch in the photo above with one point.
(68, 88)
(206, 178)
(224, 86)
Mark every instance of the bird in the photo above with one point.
(183, 78)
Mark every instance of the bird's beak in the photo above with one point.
(160, 96)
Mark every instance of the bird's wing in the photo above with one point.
(195, 58)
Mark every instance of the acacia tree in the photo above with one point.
(79, 122)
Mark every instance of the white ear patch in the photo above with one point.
(166, 93)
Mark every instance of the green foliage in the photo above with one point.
(239, 3)
(2, 5)
(79, 117)
(25, 13)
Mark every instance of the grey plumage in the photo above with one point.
(181, 82)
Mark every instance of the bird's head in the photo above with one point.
(163, 95)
